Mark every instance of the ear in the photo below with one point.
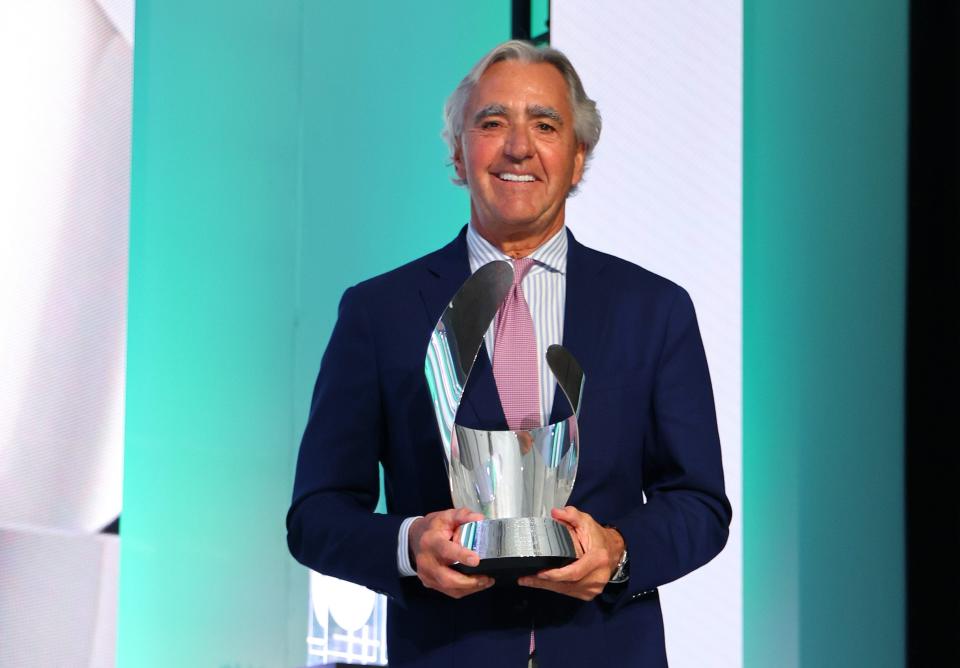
(579, 162)
(458, 161)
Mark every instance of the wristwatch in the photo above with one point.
(622, 573)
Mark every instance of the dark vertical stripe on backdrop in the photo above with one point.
(520, 19)
(933, 336)
(530, 20)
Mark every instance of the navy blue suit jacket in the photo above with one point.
(649, 462)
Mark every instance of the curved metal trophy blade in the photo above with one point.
(568, 373)
(456, 339)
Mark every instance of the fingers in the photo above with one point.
(578, 579)
(446, 544)
(437, 574)
(448, 552)
(572, 572)
(452, 583)
(586, 577)
(578, 544)
(442, 524)
(575, 518)
(575, 571)
(435, 550)
(447, 521)
(535, 582)
(464, 515)
(435, 544)
(585, 590)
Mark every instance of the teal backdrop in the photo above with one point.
(824, 247)
(282, 151)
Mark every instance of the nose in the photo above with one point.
(518, 145)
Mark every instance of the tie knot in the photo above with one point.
(521, 266)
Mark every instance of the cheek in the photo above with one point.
(556, 160)
(479, 152)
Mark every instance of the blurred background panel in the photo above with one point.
(67, 69)
(824, 280)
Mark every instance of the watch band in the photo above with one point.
(621, 574)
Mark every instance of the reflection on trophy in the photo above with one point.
(514, 478)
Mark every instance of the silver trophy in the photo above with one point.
(514, 478)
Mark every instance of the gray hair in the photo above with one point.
(586, 118)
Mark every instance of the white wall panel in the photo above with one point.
(664, 191)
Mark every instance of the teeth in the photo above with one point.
(506, 176)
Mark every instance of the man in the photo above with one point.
(648, 505)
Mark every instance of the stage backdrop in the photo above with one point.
(284, 151)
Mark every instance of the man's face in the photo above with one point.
(518, 153)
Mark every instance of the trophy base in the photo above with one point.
(515, 546)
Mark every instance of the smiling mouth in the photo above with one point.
(516, 178)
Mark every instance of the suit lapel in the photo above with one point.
(583, 315)
(448, 269)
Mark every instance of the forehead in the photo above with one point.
(513, 83)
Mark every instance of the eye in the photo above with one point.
(545, 127)
(489, 124)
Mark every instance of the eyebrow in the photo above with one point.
(535, 110)
(540, 111)
(490, 110)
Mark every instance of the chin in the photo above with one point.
(518, 216)
(517, 222)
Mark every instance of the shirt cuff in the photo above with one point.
(403, 548)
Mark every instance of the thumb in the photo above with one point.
(464, 515)
(569, 515)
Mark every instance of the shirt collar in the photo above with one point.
(550, 255)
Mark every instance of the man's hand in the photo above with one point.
(586, 577)
(433, 549)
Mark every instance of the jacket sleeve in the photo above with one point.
(331, 525)
(686, 518)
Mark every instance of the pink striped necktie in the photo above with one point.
(515, 365)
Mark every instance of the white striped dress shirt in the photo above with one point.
(545, 289)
